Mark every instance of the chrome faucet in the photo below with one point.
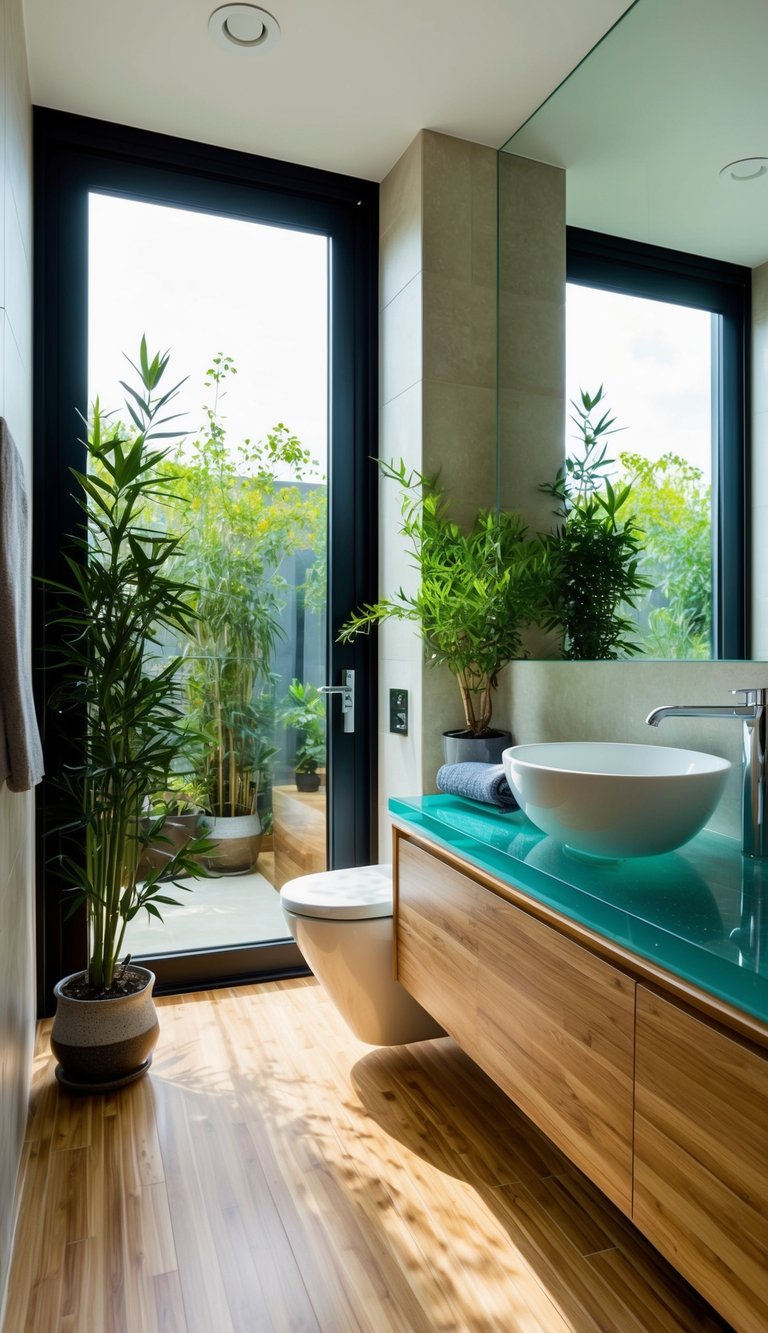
(753, 712)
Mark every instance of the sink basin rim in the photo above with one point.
(705, 763)
(616, 799)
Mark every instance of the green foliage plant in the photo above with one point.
(304, 711)
(478, 590)
(244, 513)
(119, 600)
(595, 552)
(672, 502)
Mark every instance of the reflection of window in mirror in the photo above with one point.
(664, 334)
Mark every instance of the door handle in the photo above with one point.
(347, 692)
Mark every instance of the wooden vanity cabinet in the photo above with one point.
(701, 1156)
(548, 1021)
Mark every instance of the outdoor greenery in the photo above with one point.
(673, 506)
(243, 512)
(304, 712)
(478, 590)
(122, 597)
(595, 576)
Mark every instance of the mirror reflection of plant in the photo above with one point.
(248, 513)
(673, 505)
(304, 711)
(596, 551)
(478, 590)
(123, 596)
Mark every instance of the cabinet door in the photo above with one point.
(701, 1156)
(436, 946)
(551, 1024)
(555, 1031)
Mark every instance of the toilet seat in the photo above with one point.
(360, 893)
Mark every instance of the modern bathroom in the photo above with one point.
(476, 1037)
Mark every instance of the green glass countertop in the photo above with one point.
(700, 912)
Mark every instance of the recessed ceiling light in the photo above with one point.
(745, 169)
(243, 27)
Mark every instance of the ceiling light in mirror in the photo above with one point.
(745, 169)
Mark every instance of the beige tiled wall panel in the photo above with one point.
(16, 811)
(438, 411)
(531, 333)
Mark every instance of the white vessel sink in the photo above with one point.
(615, 800)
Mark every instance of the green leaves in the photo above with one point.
(478, 589)
(120, 601)
(595, 553)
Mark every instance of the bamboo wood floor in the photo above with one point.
(274, 1174)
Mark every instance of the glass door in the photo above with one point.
(258, 300)
(243, 307)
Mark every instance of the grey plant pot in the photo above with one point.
(459, 748)
(238, 843)
(104, 1044)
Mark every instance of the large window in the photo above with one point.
(664, 334)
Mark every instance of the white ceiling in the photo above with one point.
(348, 86)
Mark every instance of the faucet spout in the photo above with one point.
(753, 713)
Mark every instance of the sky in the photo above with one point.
(199, 284)
(654, 360)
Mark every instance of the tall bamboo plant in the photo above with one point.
(111, 615)
(246, 515)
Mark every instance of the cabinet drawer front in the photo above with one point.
(551, 1024)
(701, 1156)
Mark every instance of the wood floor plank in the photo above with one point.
(273, 1174)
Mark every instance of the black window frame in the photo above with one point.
(634, 268)
(74, 155)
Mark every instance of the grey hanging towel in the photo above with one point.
(21, 754)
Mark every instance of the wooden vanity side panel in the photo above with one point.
(436, 948)
(701, 1156)
(550, 1023)
(556, 1032)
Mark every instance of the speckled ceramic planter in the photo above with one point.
(238, 842)
(104, 1044)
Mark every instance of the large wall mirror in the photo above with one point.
(633, 255)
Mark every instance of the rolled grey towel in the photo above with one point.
(477, 782)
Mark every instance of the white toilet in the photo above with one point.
(342, 923)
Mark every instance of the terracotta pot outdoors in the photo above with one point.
(104, 1044)
(460, 747)
(238, 843)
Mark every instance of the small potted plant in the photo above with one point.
(304, 711)
(478, 591)
(120, 691)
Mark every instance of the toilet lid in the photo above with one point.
(356, 894)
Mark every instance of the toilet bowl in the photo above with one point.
(342, 922)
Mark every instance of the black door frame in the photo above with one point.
(73, 156)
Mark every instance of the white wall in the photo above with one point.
(16, 811)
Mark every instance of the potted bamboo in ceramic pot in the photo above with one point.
(479, 589)
(119, 689)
